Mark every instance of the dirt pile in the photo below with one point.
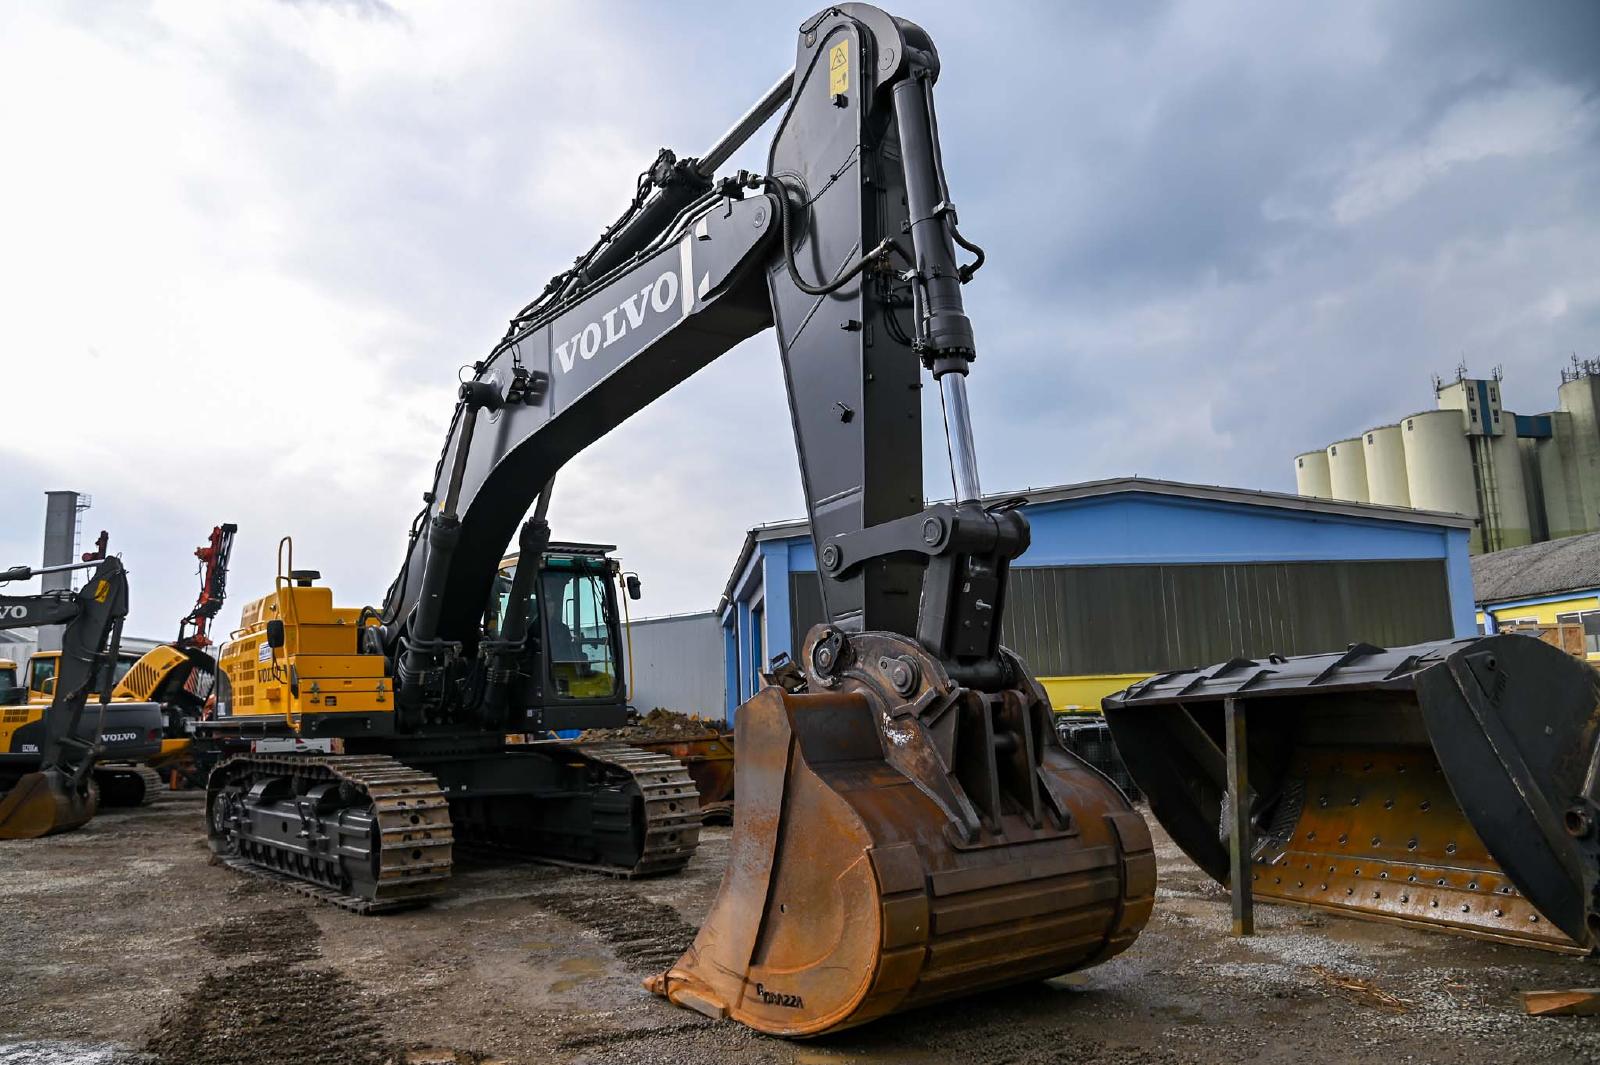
(656, 726)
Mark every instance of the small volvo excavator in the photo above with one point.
(49, 755)
(908, 827)
(178, 676)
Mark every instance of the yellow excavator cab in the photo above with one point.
(44, 665)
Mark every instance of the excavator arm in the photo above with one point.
(60, 796)
(847, 249)
(214, 557)
(908, 829)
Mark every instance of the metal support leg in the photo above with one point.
(1239, 842)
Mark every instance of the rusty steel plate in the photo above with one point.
(1379, 835)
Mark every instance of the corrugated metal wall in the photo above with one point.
(678, 664)
(1076, 620)
(17, 645)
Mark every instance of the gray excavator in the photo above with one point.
(51, 755)
(909, 829)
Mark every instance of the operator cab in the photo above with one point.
(574, 626)
(44, 665)
(10, 693)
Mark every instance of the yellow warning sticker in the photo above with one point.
(102, 590)
(839, 68)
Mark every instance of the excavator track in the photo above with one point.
(364, 832)
(127, 785)
(667, 794)
(309, 822)
(671, 807)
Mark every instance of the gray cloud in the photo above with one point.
(1218, 234)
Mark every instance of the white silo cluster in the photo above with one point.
(1439, 463)
(1387, 480)
(1523, 478)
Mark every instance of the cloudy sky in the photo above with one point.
(244, 248)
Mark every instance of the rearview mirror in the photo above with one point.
(632, 581)
(275, 633)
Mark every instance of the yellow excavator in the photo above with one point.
(178, 676)
(181, 675)
(908, 828)
(54, 760)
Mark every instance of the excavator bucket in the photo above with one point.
(851, 891)
(44, 803)
(1449, 786)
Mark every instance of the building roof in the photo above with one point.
(1143, 486)
(1567, 565)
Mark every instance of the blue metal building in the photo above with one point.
(1130, 576)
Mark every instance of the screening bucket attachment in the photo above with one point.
(1449, 785)
(44, 803)
(899, 840)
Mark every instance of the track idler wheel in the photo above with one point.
(900, 840)
(44, 803)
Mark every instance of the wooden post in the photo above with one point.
(1239, 841)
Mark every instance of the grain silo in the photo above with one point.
(1385, 454)
(1523, 478)
(1311, 474)
(1347, 470)
(1439, 462)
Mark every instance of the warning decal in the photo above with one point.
(839, 68)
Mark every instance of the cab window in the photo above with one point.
(40, 672)
(582, 663)
(494, 616)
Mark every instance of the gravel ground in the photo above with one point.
(122, 943)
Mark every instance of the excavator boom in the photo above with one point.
(57, 793)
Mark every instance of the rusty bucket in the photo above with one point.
(1449, 786)
(893, 849)
(44, 803)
